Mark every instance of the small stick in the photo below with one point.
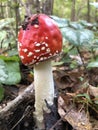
(25, 113)
(52, 128)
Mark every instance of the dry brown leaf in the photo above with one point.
(64, 79)
(93, 91)
(77, 119)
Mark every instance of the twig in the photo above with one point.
(93, 53)
(10, 107)
(27, 110)
(81, 58)
(52, 128)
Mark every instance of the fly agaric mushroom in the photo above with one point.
(39, 40)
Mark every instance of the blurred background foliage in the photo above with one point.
(12, 14)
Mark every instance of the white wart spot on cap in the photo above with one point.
(36, 26)
(25, 50)
(37, 58)
(22, 57)
(43, 48)
(29, 54)
(48, 50)
(41, 59)
(37, 44)
(37, 51)
(44, 43)
(34, 57)
(46, 37)
(57, 51)
(50, 54)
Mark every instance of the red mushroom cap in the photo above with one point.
(39, 39)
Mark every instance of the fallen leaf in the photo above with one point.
(93, 91)
(78, 119)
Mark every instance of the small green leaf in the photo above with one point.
(14, 76)
(3, 71)
(81, 37)
(93, 64)
(86, 96)
(10, 58)
(9, 72)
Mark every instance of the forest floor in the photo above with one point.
(77, 100)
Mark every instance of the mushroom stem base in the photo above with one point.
(44, 88)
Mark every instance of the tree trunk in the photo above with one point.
(47, 7)
(96, 14)
(37, 6)
(17, 15)
(88, 10)
(73, 11)
(1, 11)
(29, 6)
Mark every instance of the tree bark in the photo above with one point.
(96, 13)
(17, 15)
(37, 6)
(1, 11)
(88, 10)
(47, 7)
(73, 11)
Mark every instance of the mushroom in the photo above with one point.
(40, 40)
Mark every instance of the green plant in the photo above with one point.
(77, 36)
(87, 100)
(9, 70)
(7, 35)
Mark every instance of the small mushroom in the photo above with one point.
(40, 40)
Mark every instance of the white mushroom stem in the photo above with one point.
(44, 88)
